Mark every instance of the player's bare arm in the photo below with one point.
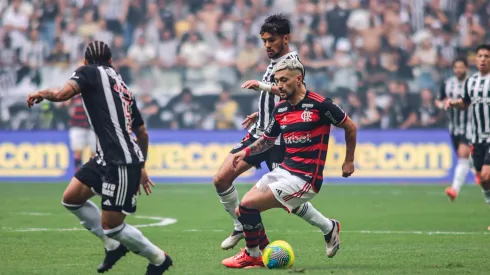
(350, 144)
(143, 139)
(259, 146)
(260, 86)
(250, 120)
(456, 103)
(69, 90)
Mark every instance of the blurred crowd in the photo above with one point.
(382, 60)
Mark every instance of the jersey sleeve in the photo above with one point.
(332, 112)
(136, 116)
(466, 93)
(83, 76)
(442, 91)
(273, 130)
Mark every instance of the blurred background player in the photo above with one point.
(459, 125)
(477, 95)
(108, 104)
(80, 134)
(303, 118)
(275, 33)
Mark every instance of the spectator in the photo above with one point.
(226, 111)
(187, 112)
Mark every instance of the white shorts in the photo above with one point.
(80, 138)
(291, 191)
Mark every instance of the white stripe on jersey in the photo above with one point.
(478, 89)
(458, 119)
(268, 100)
(113, 113)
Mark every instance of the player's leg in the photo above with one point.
(462, 168)
(87, 182)
(77, 142)
(118, 200)
(305, 211)
(227, 193)
(260, 198)
(485, 173)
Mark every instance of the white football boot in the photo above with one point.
(333, 239)
(232, 240)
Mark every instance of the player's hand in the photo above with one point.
(440, 103)
(250, 84)
(347, 169)
(249, 120)
(145, 182)
(237, 157)
(34, 98)
(448, 104)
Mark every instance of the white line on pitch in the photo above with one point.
(385, 232)
(160, 221)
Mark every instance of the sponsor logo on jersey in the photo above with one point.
(293, 139)
(281, 110)
(307, 105)
(481, 100)
(330, 116)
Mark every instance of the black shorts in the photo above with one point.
(459, 139)
(481, 155)
(90, 174)
(272, 157)
(120, 187)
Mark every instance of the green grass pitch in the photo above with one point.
(386, 229)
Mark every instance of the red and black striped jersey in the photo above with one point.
(305, 129)
(78, 118)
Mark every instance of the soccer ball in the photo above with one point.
(278, 254)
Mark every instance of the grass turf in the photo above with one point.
(386, 230)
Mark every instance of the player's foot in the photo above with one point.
(243, 260)
(111, 257)
(333, 239)
(159, 269)
(451, 193)
(232, 240)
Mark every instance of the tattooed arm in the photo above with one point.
(259, 146)
(69, 90)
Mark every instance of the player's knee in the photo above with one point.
(485, 177)
(221, 181)
(112, 220)
(70, 200)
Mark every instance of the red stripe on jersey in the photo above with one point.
(318, 165)
(310, 148)
(295, 117)
(316, 96)
(322, 130)
(294, 170)
(267, 137)
(308, 161)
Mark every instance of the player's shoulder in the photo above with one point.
(280, 104)
(292, 55)
(86, 70)
(315, 97)
(473, 76)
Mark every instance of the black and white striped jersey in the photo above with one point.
(477, 93)
(112, 113)
(459, 120)
(268, 100)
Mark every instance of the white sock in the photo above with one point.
(229, 199)
(89, 216)
(460, 173)
(253, 252)
(134, 240)
(307, 212)
(486, 195)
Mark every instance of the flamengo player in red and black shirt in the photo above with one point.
(80, 134)
(304, 119)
